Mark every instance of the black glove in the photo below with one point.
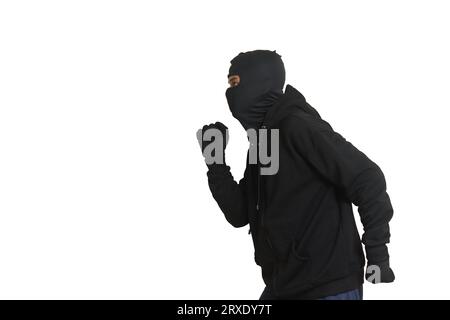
(386, 274)
(204, 143)
(378, 272)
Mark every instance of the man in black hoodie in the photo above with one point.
(301, 218)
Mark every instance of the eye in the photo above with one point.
(233, 81)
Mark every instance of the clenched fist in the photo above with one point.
(213, 139)
(379, 273)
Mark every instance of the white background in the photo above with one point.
(103, 190)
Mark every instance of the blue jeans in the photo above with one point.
(356, 294)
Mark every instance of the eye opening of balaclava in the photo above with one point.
(262, 77)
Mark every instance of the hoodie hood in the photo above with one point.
(262, 77)
(291, 101)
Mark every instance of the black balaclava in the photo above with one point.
(262, 77)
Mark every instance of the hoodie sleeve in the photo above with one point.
(229, 195)
(362, 181)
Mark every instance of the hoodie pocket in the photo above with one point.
(294, 274)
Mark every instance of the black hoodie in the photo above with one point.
(301, 219)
